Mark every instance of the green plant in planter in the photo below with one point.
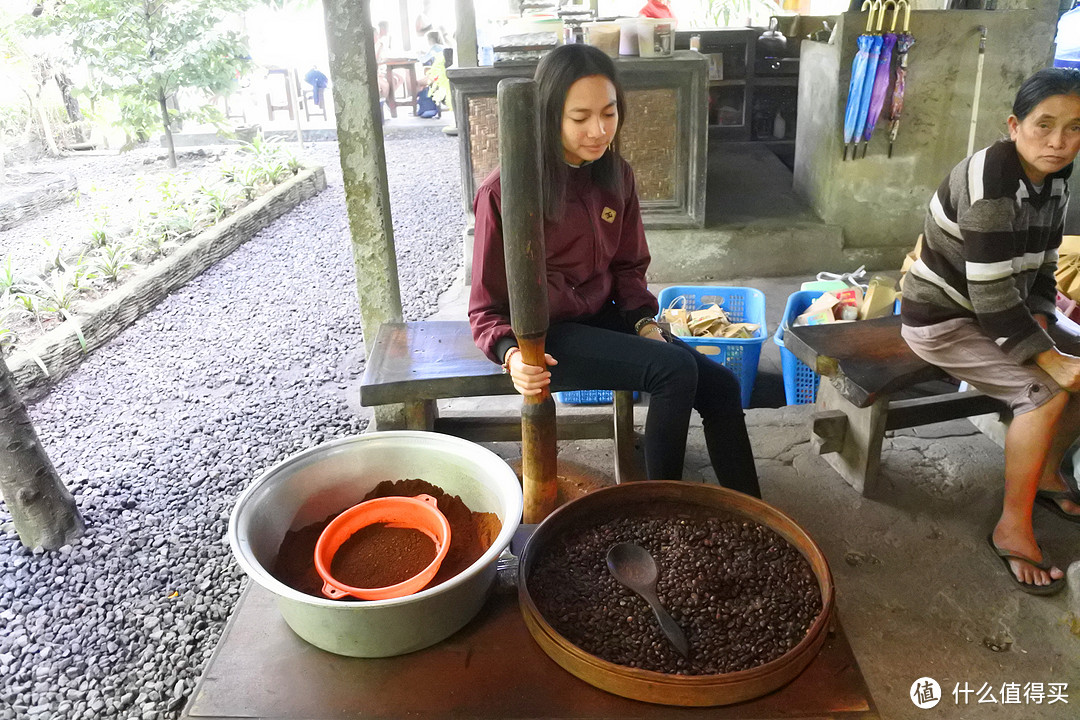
(153, 237)
(56, 295)
(271, 171)
(182, 222)
(294, 164)
(247, 178)
(79, 271)
(112, 260)
(99, 230)
(170, 190)
(30, 303)
(52, 253)
(9, 279)
(261, 149)
(218, 198)
(8, 337)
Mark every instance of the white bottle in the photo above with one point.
(779, 126)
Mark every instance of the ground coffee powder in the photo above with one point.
(471, 534)
(378, 555)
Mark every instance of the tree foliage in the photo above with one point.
(142, 52)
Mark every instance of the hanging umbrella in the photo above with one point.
(904, 41)
(858, 74)
(881, 76)
(978, 90)
(868, 82)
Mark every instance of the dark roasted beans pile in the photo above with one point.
(742, 594)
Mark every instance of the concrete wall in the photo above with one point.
(880, 202)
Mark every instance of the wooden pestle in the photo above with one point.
(523, 245)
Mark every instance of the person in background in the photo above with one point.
(382, 51)
(979, 303)
(602, 334)
(426, 107)
(424, 22)
(435, 48)
(318, 82)
(657, 9)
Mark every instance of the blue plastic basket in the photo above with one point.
(800, 382)
(587, 397)
(739, 355)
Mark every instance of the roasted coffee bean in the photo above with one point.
(740, 592)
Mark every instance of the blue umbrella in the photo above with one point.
(865, 44)
(881, 84)
(867, 88)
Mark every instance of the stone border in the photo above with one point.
(52, 190)
(60, 349)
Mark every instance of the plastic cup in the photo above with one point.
(628, 42)
(656, 36)
(603, 35)
(417, 513)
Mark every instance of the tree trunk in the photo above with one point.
(363, 166)
(44, 511)
(71, 103)
(168, 130)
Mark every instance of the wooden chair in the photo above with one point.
(418, 363)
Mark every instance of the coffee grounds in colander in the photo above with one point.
(379, 555)
(471, 534)
(742, 594)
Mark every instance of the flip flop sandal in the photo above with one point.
(1004, 556)
(1048, 499)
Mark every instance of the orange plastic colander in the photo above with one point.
(417, 513)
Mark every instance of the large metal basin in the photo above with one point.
(309, 486)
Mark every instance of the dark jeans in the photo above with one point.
(600, 353)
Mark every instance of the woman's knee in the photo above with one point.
(673, 372)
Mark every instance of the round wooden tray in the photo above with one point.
(657, 687)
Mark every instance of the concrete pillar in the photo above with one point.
(351, 48)
(465, 37)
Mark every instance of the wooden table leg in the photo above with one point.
(624, 436)
(859, 458)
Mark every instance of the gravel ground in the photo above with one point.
(157, 433)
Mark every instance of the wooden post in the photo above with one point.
(523, 244)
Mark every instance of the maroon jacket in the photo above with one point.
(596, 253)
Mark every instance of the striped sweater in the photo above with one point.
(990, 248)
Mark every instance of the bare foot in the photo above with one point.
(1025, 546)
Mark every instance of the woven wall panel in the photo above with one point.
(650, 141)
(483, 136)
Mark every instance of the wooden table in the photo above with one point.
(492, 668)
(408, 67)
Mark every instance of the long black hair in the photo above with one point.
(1043, 84)
(557, 71)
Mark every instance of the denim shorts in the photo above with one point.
(962, 349)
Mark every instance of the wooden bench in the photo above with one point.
(418, 363)
(862, 364)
